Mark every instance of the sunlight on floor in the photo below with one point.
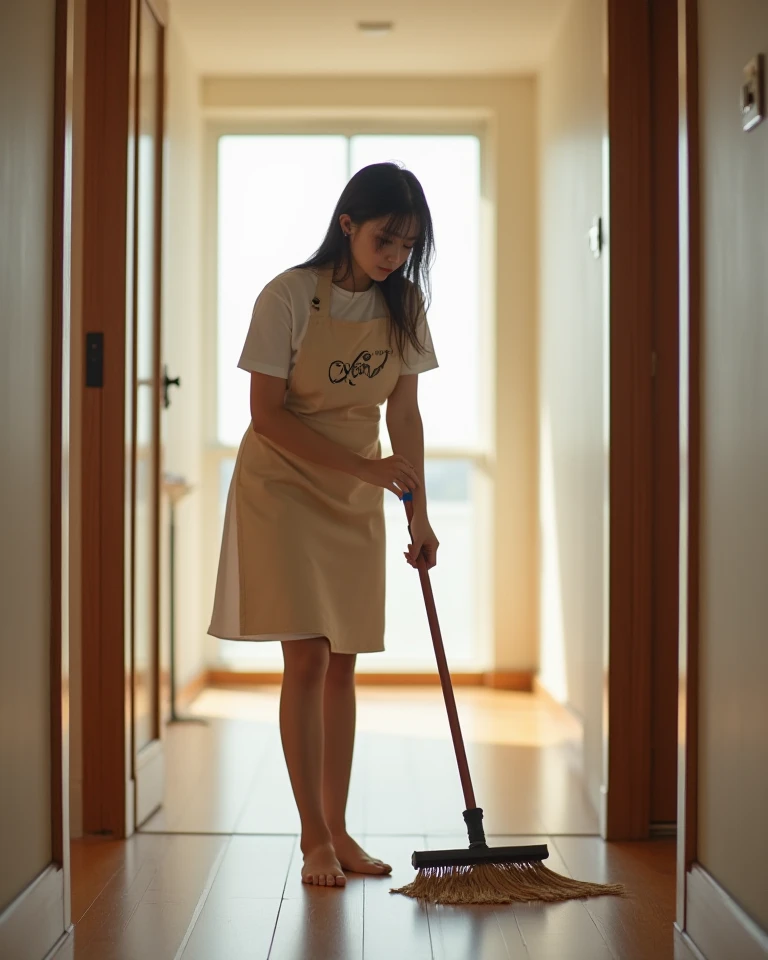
(487, 716)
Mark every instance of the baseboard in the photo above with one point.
(63, 940)
(542, 691)
(717, 925)
(33, 924)
(192, 689)
(520, 681)
(659, 831)
(684, 947)
(150, 781)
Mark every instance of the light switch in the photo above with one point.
(753, 93)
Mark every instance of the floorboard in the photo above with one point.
(640, 927)
(238, 918)
(323, 923)
(147, 906)
(394, 925)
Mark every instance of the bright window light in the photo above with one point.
(276, 195)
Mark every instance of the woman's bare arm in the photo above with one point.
(270, 418)
(407, 431)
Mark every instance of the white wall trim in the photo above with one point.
(56, 949)
(34, 922)
(685, 948)
(717, 925)
(150, 781)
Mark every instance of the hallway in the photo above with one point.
(215, 874)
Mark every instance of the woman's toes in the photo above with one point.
(322, 868)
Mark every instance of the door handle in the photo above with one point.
(168, 382)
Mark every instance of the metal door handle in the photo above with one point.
(168, 382)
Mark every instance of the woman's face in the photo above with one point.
(375, 251)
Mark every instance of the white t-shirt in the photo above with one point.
(281, 314)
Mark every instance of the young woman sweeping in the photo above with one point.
(303, 552)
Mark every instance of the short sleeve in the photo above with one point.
(267, 346)
(415, 362)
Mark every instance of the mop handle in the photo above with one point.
(442, 667)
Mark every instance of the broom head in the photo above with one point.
(495, 875)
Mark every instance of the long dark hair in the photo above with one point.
(377, 191)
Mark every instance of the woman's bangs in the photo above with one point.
(404, 224)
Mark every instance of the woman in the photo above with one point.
(303, 552)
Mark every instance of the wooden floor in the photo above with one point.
(524, 754)
(215, 875)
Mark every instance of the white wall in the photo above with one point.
(572, 493)
(733, 737)
(26, 179)
(182, 349)
(508, 106)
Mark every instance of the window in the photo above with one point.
(274, 203)
(276, 194)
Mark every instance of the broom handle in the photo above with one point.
(442, 667)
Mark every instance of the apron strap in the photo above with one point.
(321, 303)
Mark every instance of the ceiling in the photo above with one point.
(319, 37)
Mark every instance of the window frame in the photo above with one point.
(481, 457)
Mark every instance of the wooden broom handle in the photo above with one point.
(442, 667)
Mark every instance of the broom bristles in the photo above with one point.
(493, 883)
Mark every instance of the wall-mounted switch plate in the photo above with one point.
(753, 93)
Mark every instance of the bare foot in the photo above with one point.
(352, 857)
(322, 868)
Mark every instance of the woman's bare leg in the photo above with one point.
(301, 730)
(339, 717)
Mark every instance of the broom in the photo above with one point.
(482, 874)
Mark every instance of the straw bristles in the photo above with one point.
(501, 883)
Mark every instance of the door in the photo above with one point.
(143, 364)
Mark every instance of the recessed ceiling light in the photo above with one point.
(375, 28)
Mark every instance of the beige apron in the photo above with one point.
(310, 540)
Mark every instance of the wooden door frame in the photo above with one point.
(61, 285)
(627, 811)
(666, 405)
(150, 759)
(690, 445)
(107, 476)
(642, 287)
(106, 704)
